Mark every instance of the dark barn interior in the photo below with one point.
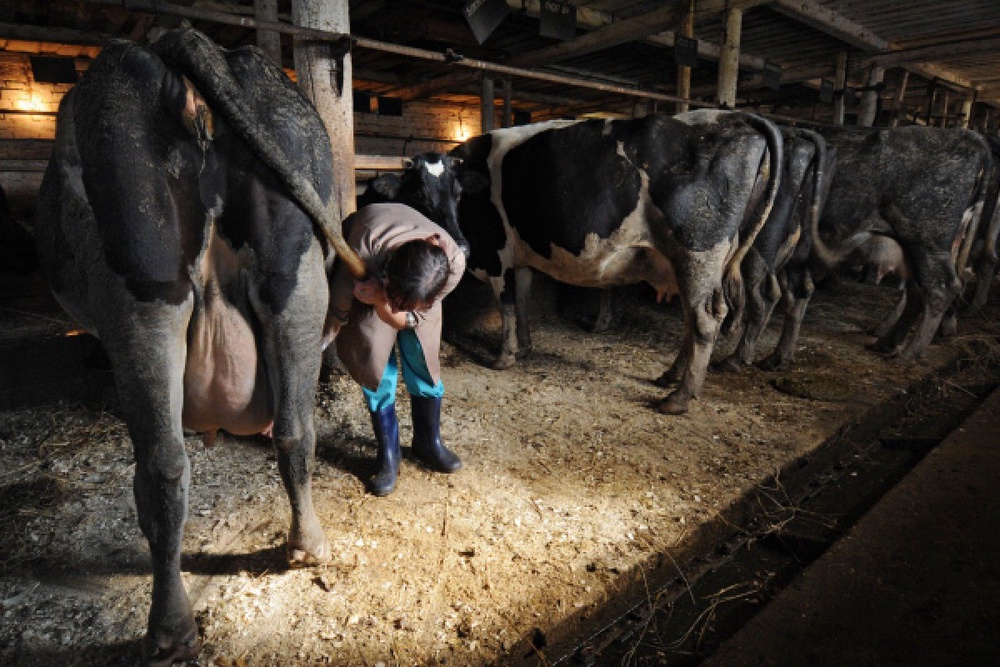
(838, 511)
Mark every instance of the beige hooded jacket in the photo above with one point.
(364, 341)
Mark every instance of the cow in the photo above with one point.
(915, 195)
(778, 263)
(183, 219)
(430, 185)
(985, 249)
(598, 203)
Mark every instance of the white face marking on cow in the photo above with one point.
(435, 169)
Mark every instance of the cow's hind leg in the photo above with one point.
(940, 286)
(148, 355)
(887, 323)
(763, 292)
(797, 290)
(292, 349)
(896, 326)
(703, 315)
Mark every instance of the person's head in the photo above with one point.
(415, 274)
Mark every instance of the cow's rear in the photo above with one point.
(164, 232)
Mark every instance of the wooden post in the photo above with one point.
(945, 106)
(683, 72)
(963, 122)
(840, 88)
(486, 105)
(729, 62)
(869, 101)
(729, 59)
(268, 40)
(897, 100)
(324, 73)
(507, 114)
(931, 99)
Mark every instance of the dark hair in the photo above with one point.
(416, 274)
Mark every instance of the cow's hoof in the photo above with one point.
(299, 557)
(673, 405)
(730, 364)
(665, 380)
(163, 656)
(772, 363)
(882, 347)
(504, 362)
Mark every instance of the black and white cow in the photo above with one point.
(601, 203)
(909, 197)
(172, 224)
(778, 264)
(429, 184)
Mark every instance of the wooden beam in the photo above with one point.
(615, 34)
(936, 52)
(815, 15)
(51, 35)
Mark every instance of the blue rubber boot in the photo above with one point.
(386, 427)
(427, 445)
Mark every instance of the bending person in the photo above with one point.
(412, 264)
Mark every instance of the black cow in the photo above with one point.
(174, 227)
(912, 197)
(601, 203)
(778, 264)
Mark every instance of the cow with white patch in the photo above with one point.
(183, 219)
(602, 203)
(430, 185)
(909, 198)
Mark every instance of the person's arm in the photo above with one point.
(372, 293)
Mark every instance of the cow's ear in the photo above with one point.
(387, 185)
(472, 181)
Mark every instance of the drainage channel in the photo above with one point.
(778, 530)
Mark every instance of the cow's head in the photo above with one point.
(433, 184)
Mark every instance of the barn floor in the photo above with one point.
(576, 495)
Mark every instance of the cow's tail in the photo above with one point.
(819, 190)
(204, 62)
(827, 255)
(770, 169)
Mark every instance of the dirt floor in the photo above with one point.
(573, 490)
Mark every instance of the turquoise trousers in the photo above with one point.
(415, 374)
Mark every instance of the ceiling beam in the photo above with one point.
(815, 15)
(51, 35)
(605, 33)
(936, 52)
